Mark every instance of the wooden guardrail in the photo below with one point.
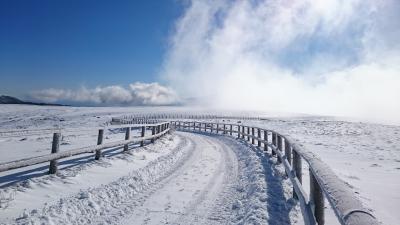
(152, 118)
(50, 130)
(323, 181)
(157, 130)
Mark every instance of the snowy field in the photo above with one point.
(366, 156)
(184, 178)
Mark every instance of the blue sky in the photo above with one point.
(326, 57)
(67, 44)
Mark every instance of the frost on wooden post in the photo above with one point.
(266, 140)
(127, 137)
(55, 147)
(99, 142)
(142, 135)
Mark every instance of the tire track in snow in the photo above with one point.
(213, 198)
(190, 194)
(114, 216)
(105, 204)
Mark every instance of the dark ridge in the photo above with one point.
(4, 99)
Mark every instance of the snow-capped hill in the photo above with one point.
(4, 99)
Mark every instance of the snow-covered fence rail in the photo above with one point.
(51, 130)
(157, 130)
(153, 118)
(323, 181)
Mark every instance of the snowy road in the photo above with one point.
(187, 178)
(194, 192)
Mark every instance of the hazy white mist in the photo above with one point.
(331, 57)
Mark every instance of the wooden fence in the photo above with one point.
(323, 181)
(157, 130)
(153, 118)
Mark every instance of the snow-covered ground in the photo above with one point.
(184, 178)
(365, 155)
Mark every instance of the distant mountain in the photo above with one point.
(4, 99)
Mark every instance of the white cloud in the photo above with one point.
(152, 94)
(137, 94)
(336, 57)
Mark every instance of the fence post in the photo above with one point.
(99, 142)
(217, 128)
(259, 137)
(212, 127)
(142, 134)
(243, 132)
(279, 147)
(153, 132)
(55, 147)
(194, 126)
(248, 132)
(127, 137)
(252, 133)
(205, 127)
(238, 130)
(273, 142)
(316, 199)
(288, 152)
(266, 140)
(224, 132)
(231, 129)
(297, 169)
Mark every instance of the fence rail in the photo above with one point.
(4, 133)
(158, 130)
(323, 181)
(153, 118)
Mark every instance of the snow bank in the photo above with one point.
(92, 189)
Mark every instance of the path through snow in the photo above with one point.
(206, 179)
(191, 193)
